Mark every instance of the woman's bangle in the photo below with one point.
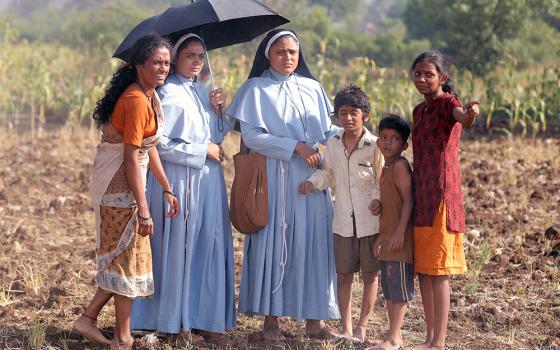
(144, 218)
(169, 193)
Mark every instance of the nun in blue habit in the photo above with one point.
(192, 253)
(288, 267)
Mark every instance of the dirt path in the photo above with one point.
(509, 299)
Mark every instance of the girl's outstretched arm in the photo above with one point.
(467, 115)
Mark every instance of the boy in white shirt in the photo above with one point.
(352, 167)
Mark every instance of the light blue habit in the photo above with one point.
(192, 253)
(276, 112)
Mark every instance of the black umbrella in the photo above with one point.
(220, 22)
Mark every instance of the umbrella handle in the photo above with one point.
(209, 69)
(220, 108)
(221, 118)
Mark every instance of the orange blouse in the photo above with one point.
(133, 117)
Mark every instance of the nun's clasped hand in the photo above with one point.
(215, 152)
(309, 154)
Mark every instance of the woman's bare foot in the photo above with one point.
(271, 329)
(350, 337)
(87, 327)
(386, 344)
(272, 333)
(122, 344)
(318, 329)
(213, 337)
(360, 333)
(423, 346)
(188, 336)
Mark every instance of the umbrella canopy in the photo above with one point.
(220, 22)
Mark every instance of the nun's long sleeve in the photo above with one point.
(186, 154)
(260, 141)
(229, 123)
(332, 131)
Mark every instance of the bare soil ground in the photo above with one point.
(509, 299)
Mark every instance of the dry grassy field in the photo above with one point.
(509, 299)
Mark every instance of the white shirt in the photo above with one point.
(355, 179)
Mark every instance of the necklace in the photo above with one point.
(144, 91)
(302, 116)
(387, 165)
(150, 99)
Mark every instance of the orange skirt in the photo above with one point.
(438, 251)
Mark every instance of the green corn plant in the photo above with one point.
(41, 80)
(491, 110)
(516, 113)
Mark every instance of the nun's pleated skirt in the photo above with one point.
(193, 266)
(303, 288)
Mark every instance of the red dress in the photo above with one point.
(436, 176)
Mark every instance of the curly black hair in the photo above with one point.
(353, 96)
(126, 75)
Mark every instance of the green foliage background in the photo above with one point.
(54, 54)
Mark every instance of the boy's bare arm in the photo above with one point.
(403, 179)
(377, 163)
(320, 180)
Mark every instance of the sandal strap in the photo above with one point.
(89, 317)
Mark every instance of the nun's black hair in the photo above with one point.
(261, 63)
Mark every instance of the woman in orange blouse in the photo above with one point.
(129, 116)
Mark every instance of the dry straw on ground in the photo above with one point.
(509, 299)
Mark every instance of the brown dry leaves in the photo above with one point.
(510, 298)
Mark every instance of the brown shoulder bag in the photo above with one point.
(249, 191)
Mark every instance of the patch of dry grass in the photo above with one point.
(510, 298)
(36, 336)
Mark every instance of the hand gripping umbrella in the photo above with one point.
(219, 22)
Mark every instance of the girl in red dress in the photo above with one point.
(439, 218)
